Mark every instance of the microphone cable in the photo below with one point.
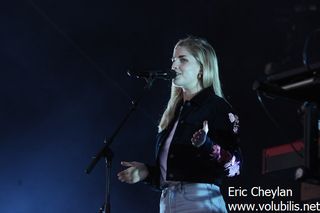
(284, 134)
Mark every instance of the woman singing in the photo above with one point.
(197, 143)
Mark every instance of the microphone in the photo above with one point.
(153, 74)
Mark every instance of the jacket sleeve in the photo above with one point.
(153, 179)
(222, 142)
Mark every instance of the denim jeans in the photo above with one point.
(192, 198)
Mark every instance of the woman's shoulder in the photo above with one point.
(219, 102)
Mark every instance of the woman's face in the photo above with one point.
(187, 69)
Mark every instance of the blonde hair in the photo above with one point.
(205, 55)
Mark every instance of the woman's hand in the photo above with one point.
(199, 137)
(136, 172)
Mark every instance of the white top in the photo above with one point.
(164, 154)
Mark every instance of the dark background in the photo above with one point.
(63, 88)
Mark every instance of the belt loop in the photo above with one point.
(181, 186)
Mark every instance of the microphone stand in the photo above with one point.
(107, 153)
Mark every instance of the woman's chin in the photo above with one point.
(176, 83)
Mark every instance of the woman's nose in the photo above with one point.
(174, 66)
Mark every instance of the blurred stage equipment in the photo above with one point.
(301, 84)
(282, 157)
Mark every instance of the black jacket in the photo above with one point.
(191, 164)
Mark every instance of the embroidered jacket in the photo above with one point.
(188, 163)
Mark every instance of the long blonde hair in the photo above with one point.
(205, 55)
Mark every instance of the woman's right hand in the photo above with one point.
(136, 172)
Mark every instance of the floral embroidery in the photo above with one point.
(235, 120)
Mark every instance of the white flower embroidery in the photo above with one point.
(235, 120)
(231, 117)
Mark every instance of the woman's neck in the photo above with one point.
(189, 94)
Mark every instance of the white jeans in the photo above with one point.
(192, 198)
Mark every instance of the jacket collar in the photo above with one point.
(201, 96)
